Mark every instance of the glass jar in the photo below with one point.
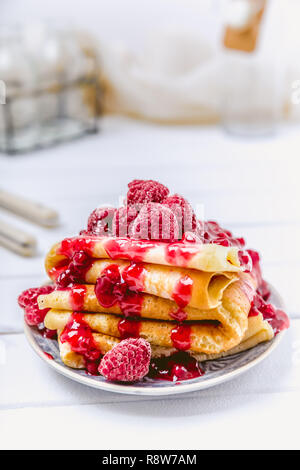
(253, 82)
(19, 126)
(51, 87)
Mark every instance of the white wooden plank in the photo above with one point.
(248, 421)
(237, 180)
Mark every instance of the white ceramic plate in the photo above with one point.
(216, 372)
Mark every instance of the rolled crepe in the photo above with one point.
(258, 331)
(232, 318)
(203, 257)
(152, 307)
(205, 338)
(232, 313)
(205, 289)
(75, 360)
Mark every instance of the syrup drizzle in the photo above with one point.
(183, 291)
(76, 271)
(50, 334)
(77, 296)
(179, 366)
(125, 290)
(126, 248)
(70, 246)
(275, 317)
(129, 328)
(181, 337)
(134, 276)
(180, 253)
(79, 336)
(49, 356)
(179, 315)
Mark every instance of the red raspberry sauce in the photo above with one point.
(180, 253)
(69, 246)
(126, 248)
(179, 366)
(113, 288)
(49, 356)
(277, 318)
(50, 334)
(129, 328)
(77, 296)
(80, 338)
(183, 291)
(75, 272)
(181, 337)
(178, 315)
(134, 276)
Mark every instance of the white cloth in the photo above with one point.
(179, 76)
(173, 80)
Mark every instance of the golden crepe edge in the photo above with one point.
(204, 257)
(258, 331)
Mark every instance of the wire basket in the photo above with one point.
(50, 92)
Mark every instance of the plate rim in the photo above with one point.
(153, 391)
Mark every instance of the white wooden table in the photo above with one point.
(252, 186)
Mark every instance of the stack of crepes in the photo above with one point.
(184, 295)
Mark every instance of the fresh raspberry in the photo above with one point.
(212, 232)
(183, 211)
(100, 221)
(122, 220)
(155, 222)
(28, 301)
(191, 237)
(128, 361)
(143, 191)
(29, 296)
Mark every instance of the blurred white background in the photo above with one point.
(129, 20)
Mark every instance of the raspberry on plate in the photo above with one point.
(143, 191)
(28, 301)
(127, 362)
(155, 222)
